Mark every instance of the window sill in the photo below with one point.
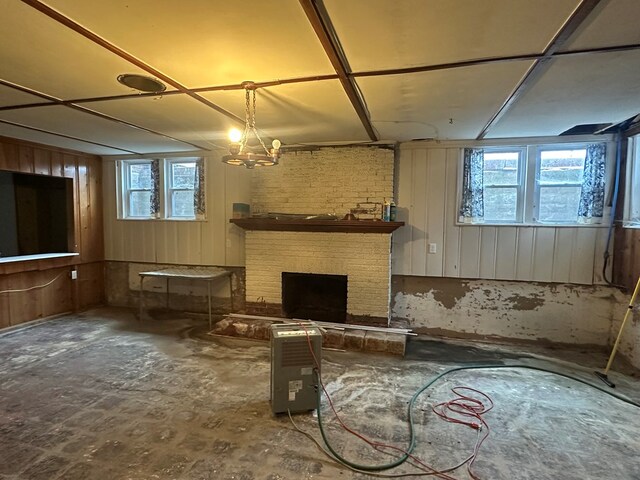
(540, 225)
(163, 219)
(39, 256)
(632, 225)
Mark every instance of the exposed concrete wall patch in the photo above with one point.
(532, 302)
(549, 313)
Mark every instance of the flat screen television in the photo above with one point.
(36, 214)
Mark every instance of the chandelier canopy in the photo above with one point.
(240, 152)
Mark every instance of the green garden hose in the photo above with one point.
(412, 438)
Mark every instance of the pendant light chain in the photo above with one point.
(253, 118)
(247, 122)
(241, 153)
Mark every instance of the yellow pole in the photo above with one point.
(624, 321)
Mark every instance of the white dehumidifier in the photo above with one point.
(293, 381)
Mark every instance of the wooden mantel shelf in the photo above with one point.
(299, 225)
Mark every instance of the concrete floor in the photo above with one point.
(101, 396)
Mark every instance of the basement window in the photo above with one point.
(533, 185)
(181, 181)
(136, 189)
(559, 178)
(632, 184)
(170, 189)
(503, 186)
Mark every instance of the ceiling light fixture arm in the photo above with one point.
(241, 154)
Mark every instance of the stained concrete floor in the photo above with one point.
(102, 396)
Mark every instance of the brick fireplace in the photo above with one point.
(331, 180)
(362, 257)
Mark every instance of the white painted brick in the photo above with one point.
(364, 258)
(332, 180)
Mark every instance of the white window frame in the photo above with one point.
(631, 217)
(535, 204)
(165, 193)
(124, 189)
(529, 191)
(521, 188)
(170, 189)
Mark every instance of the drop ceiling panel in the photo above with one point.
(614, 23)
(299, 113)
(204, 43)
(11, 96)
(64, 120)
(43, 55)
(576, 90)
(383, 34)
(178, 116)
(445, 104)
(21, 133)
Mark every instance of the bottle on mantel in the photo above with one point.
(392, 211)
(386, 211)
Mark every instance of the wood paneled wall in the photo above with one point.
(213, 241)
(427, 189)
(63, 294)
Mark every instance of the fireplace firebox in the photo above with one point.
(311, 296)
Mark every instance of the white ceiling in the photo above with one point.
(576, 90)
(451, 103)
(215, 46)
(384, 34)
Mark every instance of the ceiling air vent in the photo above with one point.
(142, 83)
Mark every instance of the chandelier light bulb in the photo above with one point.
(276, 144)
(235, 135)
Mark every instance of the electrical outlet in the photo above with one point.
(433, 248)
(74, 274)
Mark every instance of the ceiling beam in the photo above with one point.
(15, 124)
(321, 23)
(76, 27)
(317, 78)
(577, 17)
(53, 101)
(444, 66)
(166, 93)
(272, 83)
(104, 116)
(493, 60)
(22, 89)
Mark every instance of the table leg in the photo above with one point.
(209, 291)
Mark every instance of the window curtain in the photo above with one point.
(154, 204)
(591, 206)
(472, 205)
(199, 204)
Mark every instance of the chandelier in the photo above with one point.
(240, 153)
